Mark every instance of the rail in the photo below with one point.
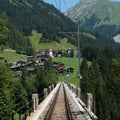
(70, 115)
(68, 111)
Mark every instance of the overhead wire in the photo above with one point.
(65, 5)
(59, 8)
(65, 33)
(56, 3)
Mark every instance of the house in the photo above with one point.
(42, 58)
(17, 68)
(1, 58)
(30, 58)
(30, 64)
(40, 65)
(68, 70)
(20, 62)
(58, 66)
(31, 71)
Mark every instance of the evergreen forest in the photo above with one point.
(102, 78)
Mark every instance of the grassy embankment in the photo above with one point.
(12, 56)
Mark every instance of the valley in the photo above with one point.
(40, 46)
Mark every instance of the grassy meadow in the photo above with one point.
(12, 56)
(37, 45)
(72, 62)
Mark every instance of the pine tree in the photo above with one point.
(4, 30)
(6, 92)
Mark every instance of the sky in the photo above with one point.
(65, 4)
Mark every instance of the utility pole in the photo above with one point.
(79, 75)
(69, 51)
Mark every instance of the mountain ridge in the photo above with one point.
(97, 15)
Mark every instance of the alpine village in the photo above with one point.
(42, 46)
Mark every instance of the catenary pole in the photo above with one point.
(79, 75)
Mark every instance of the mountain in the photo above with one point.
(98, 16)
(24, 16)
(36, 14)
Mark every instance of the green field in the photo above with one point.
(72, 62)
(12, 56)
(35, 38)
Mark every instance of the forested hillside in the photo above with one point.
(23, 16)
(12, 37)
(36, 14)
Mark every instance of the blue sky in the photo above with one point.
(65, 4)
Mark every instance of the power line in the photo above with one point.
(65, 4)
(65, 33)
(59, 3)
(56, 3)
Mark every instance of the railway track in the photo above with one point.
(59, 109)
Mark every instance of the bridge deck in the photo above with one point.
(77, 110)
(59, 111)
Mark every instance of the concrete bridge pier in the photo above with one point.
(79, 92)
(52, 86)
(45, 92)
(35, 101)
(89, 101)
(50, 89)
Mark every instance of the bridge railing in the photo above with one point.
(86, 98)
(24, 111)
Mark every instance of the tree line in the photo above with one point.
(16, 92)
(12, 37)
(102, 79)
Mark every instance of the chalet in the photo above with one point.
(68, 70)
(17, 68)
(30, 64)
(47, 51)
(58, 66)
(30, 58)
(42, 58)
(20, 63)
(58, 53)
(41, 65)
(31, 71)
(1, 58)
